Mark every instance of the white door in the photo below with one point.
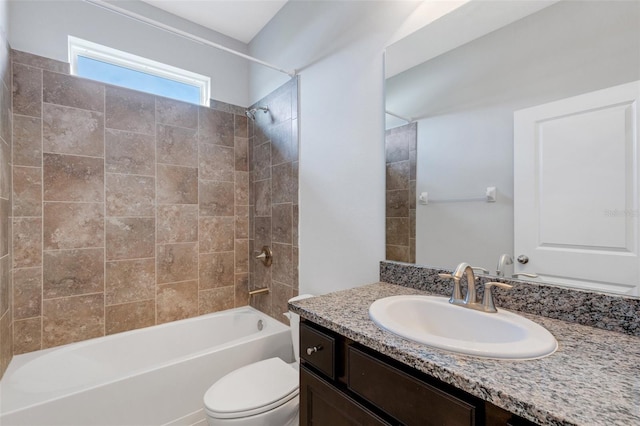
(576, 190)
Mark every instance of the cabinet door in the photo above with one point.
(323, 405)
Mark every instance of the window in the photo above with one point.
(91, 60)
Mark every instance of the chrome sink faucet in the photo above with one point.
(470, 300)
(504, 260)
(462, 270)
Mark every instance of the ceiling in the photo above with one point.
(238, 19)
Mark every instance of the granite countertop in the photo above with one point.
(592, 379)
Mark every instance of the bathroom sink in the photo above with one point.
(433, 321)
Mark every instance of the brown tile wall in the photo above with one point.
(129, 209)
(6, 145)
(401, 150)
(273, 205)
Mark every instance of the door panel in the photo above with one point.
(576, 190)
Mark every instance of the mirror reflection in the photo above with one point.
(564, 209)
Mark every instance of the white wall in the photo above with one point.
(42, 27)
(4, 19)
(338, 49)
(437, 27)
(4, 32)
(465, 143)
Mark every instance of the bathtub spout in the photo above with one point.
(255, 292)
(259, 291)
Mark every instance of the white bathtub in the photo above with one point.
(152, 376)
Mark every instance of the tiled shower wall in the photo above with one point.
(274, 199)
(129, 209)
(401, 150)
(6, 303)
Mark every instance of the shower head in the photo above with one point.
(251, 113)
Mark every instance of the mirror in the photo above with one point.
(458, 81)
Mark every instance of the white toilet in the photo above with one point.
(264, 393)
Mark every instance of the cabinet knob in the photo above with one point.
(313, 349)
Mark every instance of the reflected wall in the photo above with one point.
(400, 195)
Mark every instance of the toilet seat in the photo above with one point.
(252, 390)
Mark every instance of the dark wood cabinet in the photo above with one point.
(322, 405)
(411, 401)
(319, 350)
(345, 383)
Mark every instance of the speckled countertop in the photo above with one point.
(592, 379)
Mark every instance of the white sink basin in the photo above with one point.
(435, 322)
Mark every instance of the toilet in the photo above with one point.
(262, 393)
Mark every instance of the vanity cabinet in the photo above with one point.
(345, 383)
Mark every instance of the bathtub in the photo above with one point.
(152, 376)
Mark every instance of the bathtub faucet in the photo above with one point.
(256, 292)
(259, 291)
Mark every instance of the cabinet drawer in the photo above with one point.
(411, 401)
(318, 349)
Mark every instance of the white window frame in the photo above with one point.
(80, 47)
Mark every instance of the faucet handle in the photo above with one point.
(487, 300)
(456, 294)
(480, 269)
(522, 274)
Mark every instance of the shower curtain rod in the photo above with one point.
(132, 15)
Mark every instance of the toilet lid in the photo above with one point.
(252, 389)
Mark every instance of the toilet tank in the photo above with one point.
(294, 322)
